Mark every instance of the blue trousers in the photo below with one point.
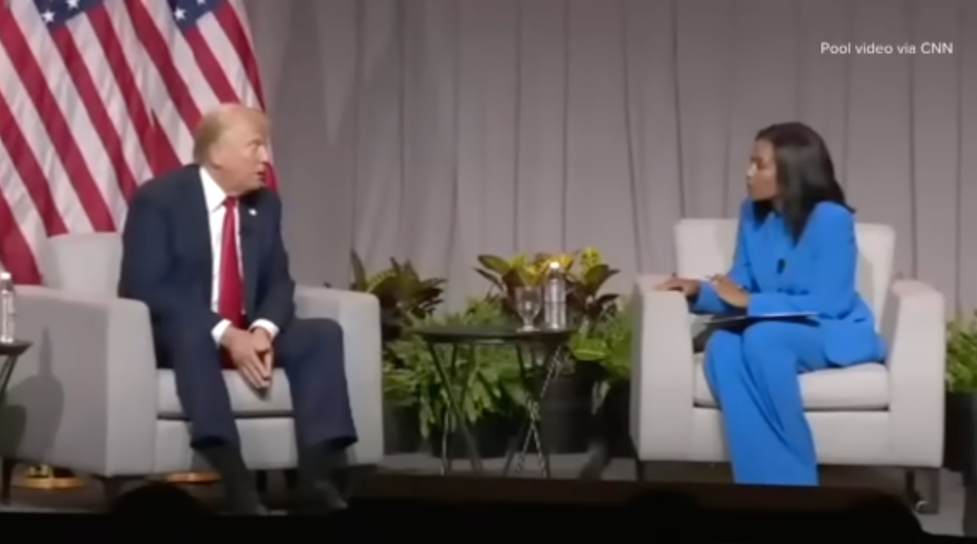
(753, 375)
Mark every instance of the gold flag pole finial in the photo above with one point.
(48, 478)
(197, 477)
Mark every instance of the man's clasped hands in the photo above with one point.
(727, 290)
(252, 354)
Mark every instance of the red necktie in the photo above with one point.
(230, 301)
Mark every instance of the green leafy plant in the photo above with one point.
(585, 272)
(585, 301)
(400, 384)
(961, 355)
(402, 294)
(506, 274)
(493, 385)
(606, 343)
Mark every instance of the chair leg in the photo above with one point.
(291, 478)
(640, 470)
(6, 479)
(923, 489)
(261, 481)
(640, 467)
(970, 512)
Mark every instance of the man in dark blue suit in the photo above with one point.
(202, 248)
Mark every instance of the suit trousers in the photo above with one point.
(309, 350)
(753, 375)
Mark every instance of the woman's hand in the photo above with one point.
(689, 288)
(729, 291)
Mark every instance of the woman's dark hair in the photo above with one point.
(805, 174)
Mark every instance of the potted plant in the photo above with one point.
(403, 295)
(401, 429)
(569, 398)
(607, 344)
(494, 396)
(960, 450)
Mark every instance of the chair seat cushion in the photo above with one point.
(861, 388)
(276, 402)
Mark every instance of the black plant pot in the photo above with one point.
(614, 419)
(391, 326)
(610, 431)
(960, 432)
(492, 434)
(401, 428)
(565, 411)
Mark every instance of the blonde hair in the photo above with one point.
(212, 125)
(208, 132)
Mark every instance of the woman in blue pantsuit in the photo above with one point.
(795, 252)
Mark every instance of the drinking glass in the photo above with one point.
(528, 301)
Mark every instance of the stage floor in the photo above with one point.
(947, 522)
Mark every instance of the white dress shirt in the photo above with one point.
(214, 196)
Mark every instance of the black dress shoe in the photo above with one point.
(321, 498)
(240, 493)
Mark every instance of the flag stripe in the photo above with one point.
(158, 50)
(53, 120)
(170, 138)
(25, 159)
(19, 223)
(100, 95)
(230, 20)
(80, 138)
(139, 87)
(210, 67)
(158, 155)
(97, 111)
(26, 167)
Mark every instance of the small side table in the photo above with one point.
(550, 342)
(10, 353)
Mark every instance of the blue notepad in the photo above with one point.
(720, 320)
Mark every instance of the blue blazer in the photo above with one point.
(817, 274)
(167, 262)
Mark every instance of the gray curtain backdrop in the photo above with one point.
(437, 130)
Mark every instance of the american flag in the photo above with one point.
(97, 96)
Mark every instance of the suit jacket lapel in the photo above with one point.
(249, 223)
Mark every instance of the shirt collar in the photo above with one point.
(214, 196)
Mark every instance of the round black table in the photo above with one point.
(10, 352)
(528, 344)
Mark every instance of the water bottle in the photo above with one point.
(7, 308)
(555, 298)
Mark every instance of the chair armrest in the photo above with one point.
(915, 331)
(359, 316)
(87, 387)
(662, 372)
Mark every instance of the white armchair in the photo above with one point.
(884, 414)
(88, 396)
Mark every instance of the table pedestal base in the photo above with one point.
(535, 374)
